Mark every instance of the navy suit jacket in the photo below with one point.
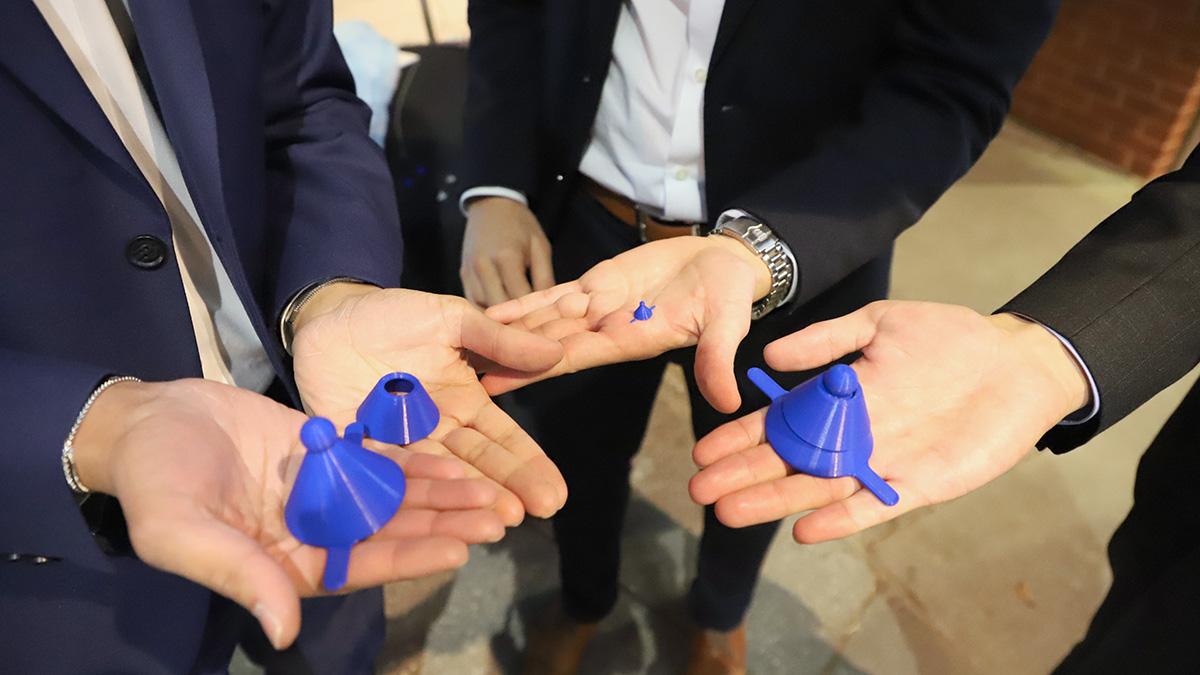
(261, 111)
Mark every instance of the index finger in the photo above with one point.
(505, 345)
(507, 312)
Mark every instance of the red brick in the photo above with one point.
(1171, 72)
(1129, 80)
(1148, 106)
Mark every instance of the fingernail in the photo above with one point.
(270, 624)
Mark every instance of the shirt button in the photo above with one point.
(681, 173)
(700, 75)
(559, 178)
(146, 252)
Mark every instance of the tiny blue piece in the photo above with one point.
(398, 410)
(821, 428)
(642, 312)
(343, 494)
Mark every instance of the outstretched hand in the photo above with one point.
(343, 348)
(203, 472)
(702, 288)
(955, 400)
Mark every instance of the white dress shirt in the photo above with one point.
(648, 138)
(229, 348)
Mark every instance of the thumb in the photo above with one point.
(226, 561)
(717, 347)
(825, 341)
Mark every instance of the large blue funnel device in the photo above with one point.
(343, 494)
(821, 428)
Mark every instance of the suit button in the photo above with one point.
(146, 252)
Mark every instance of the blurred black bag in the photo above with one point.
(423, 148)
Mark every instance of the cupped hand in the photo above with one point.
(701, 288)
(203, 472)
(342, 351)
(505, 252)
(955, 400)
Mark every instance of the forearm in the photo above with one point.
(1127, 296)
(504, 92)
(925, 119)
(331, 204)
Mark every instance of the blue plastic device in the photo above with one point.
(343, 494)
(642, 312)
(821, 428)
(398, 410)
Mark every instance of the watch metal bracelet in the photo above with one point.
(770, 248)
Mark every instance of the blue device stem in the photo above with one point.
(877, 486)
(765, 383)
(337, 564)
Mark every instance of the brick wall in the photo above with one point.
(1120, 79)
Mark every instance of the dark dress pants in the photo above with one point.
(591, 424)
(1150, 620)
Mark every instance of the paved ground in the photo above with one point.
(1001, 581)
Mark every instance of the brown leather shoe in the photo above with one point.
(555, 644)
(718, 652)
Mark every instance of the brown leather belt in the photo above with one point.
(632, 214)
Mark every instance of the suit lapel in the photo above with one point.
(731, 18)
(171, 46)
(30, 51)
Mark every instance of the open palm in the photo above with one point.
(701, 288)
(441, 340)
(955, 400)
(203, 472)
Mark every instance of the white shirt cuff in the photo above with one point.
(1086, 413)
(490, 191)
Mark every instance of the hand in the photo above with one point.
(702, 289)
(504, 248)
(203, 471)
(350, 335)
(955, 400)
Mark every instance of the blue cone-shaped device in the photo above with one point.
(821, 428)
(398, 410)
(642, 312)
(343, 494)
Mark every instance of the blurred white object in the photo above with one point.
(376, 63)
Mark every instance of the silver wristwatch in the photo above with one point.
(766, 245)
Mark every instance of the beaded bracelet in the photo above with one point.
(68, 450)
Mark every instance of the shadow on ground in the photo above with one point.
(495, 597)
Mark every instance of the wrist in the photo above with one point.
(328, 298)
(762, 273)
(495, 203)
(1048, 355)
(102, 427)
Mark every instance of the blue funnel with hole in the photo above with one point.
(398, 410)
(821, 428)
(343, 494)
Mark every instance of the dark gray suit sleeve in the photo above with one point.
(1128, 297)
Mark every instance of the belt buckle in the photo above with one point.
(640, 218)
